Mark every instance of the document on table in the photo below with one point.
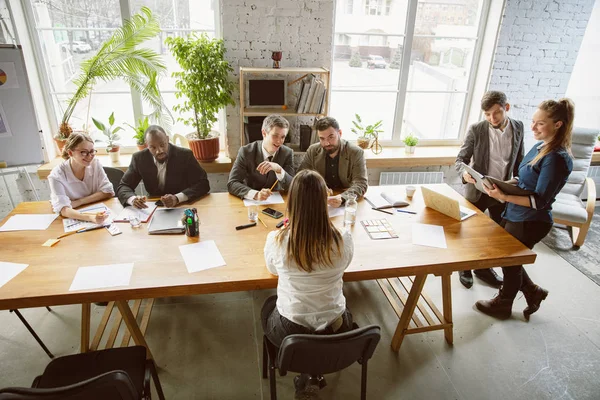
(143, 214)
(102, 276)
(202, 255)
(335, 211)
(274, 198)
(28, 222)
(71, 224)
(10, 270)
(428, 235)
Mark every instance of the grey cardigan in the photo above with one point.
(475, 151)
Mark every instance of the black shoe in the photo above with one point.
(466, 278)
(489, 276)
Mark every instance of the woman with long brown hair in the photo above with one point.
(544, 172)
(79, 180)
(310, 256)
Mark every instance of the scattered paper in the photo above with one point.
(202, 255)
(143, 214)
(9, 271)
(102, 276)
(428, 235)
(274, 198)
(71, 225)
(28, 222)
(335, 211)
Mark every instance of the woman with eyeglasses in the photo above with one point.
(79, 180)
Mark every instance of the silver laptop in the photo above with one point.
(446, 205)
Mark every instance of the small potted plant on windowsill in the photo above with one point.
(205, 84)
(365, 133)
(410, 142)
(140, 131)
(112, 147)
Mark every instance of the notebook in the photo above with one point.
(167, 221)
(484, 180)
(445, 205)
(394, 199)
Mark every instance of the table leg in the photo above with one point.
(447, 303)
(85, 327)
(407, 312)
(134, 329)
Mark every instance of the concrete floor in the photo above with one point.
(209, 347)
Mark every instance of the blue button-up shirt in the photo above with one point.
(546, 178)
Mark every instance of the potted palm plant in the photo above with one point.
(365, 133)
(140, 132)
(205, 84)
(410, 142)
(112, 147)
(119, 58)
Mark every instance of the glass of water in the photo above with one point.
(135, 222)
(253, 213)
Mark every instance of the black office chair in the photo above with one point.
(321, 354)
(30, 329)
(114, 176)
(95, 375)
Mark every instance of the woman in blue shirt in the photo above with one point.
(544, 171)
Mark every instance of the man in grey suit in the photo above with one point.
(492, 147)
(262, 163)
(341, 163)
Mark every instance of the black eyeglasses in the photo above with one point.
(85, 153)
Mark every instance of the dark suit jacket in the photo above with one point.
(477, 147)
(352, 166)
(244, 176)
(184, 174)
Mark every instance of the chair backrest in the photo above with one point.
(324, 354)
(113, 385)
(582, 149)
(114, 176)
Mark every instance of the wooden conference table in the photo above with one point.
(159, 270)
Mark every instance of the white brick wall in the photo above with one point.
(537, 48)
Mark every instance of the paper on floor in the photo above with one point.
(9, 271)
(28, 222)
(102, 276)
(202, 255)
(428, 235)
(274, 198)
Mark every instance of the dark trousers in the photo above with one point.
(276, 327)
(494, 207)
(528, 233)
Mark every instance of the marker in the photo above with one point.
(405, 211)
(240, 227)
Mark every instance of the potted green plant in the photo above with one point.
(365, 133)
(120, 58)
(112, 147)
(140, 132)
(205, 84)
(410, 142)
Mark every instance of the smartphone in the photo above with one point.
(272, 213)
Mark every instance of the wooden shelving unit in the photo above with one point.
(246, 72)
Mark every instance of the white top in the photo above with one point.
(251, 193)
(311, 299)
(500, 150)
(65, 187)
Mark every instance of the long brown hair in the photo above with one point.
(312, 238)
(562, 110)
(73, 141)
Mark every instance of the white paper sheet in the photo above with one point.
(274, 198)
(202, 255)
(102, 276)
(9, 271)
(71, 225)
(143, 214)
(28, 222)
(335, 211)
(428, 235)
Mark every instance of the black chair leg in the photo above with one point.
(265, 358)
(363, 382)
(48, 308)
(272, 380)
(30, 329)
(157, 384)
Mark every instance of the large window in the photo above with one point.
(70, 31)
(410, 64)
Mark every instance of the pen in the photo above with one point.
(262, 222)
(240, 227)
(405, 211)
(274, 183)
(383, 211)
(70, 233)
(90, 229)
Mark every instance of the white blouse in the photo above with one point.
(311, 299)
(65, 187)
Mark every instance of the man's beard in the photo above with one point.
(164, 160)
(499, 126)
(332, 150)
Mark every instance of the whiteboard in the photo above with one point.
(20, 137)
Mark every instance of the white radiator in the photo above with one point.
(410, 178)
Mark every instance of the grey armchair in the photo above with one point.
(569, 209)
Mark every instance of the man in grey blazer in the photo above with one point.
(260, 164)
(341, 163)
(492, 147)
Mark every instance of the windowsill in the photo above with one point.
(596, 157)
(424, 156)
(221, 164)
